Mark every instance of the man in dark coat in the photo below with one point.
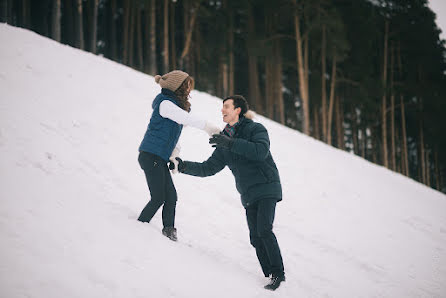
(243, 146)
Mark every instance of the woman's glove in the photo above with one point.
(211, 128)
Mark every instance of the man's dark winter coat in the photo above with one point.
(249, 159)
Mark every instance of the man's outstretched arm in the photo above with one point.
(212, 166)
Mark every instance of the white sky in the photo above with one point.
(439, 7)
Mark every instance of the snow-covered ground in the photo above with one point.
(71, 190)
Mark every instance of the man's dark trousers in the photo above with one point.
(162, 190)
(260, 219)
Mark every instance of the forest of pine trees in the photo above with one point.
(365, 76)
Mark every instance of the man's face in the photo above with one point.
(230, 114)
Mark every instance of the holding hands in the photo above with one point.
(176, 165)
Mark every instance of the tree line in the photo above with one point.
(366, 76)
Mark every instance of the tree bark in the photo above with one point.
(355, 131)
(278, 97)
(112, 37)
(55, 23)
(152, 49)
(94, 26)
(173, 55)
(188, 39)
(132, 9)
(4, 11)
(79, 26)
(324, 87)
(437, 170)
(254, 88)
(428, 172)
(404, 153)
(26, 14)
(332, 94)
(166, 37)
(125, 33)
(301, 73)
(339, 125)
(384, 104)
(392, 110)
(316, 127)
(139, 39)
(231, 52)
(421, 146)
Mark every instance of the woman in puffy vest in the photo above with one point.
(159, 147)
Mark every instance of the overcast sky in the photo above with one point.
(439, 7)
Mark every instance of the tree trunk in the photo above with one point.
(392, 110)
(231, 52)
(113, 41)
(437, 170)
(94, 26)
(269, 68)
(339, 125)
(26, 14)
(355, 131)
(332, 94)
(278, 83)
(3, 11)
(316, 127)
(375, 145)
(132, 9)
(324, 88)
(363, 143)
(152, 54)
(302, 75)
(79, 26)
(68, 23)
(166, 37)
(428, 166)
(173, 54)
(384, 104)
(188, 39)
(421, 146)
(55, 23)
(254, 88)
(139, 39)
(125, 33)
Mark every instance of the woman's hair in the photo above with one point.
(183, 94)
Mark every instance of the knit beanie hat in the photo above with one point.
(171, 80)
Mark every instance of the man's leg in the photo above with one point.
(251, 216)
(265, 218)
(153, 170)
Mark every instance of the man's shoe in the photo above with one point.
(171, 233)
(274, 282)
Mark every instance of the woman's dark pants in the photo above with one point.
(260, 219)
(162, 190)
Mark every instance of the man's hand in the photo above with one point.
(221, 141)
(180, 165)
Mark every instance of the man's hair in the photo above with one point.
(239, 102)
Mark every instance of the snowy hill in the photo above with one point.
(71, 190)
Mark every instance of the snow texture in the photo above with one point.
(71, 190)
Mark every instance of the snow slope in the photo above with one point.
(71, 190)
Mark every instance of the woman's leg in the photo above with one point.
(170, 201)
(154, 171)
